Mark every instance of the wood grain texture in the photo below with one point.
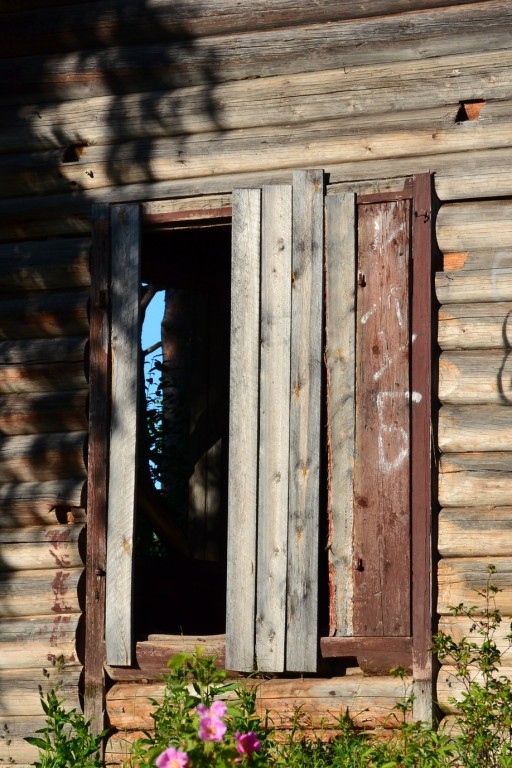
(459, 579)
(476, 326)
(26, 458)
(274, 427)
(44, 503)
(459, 627)
(41, 638)
(492, 285)
(468, 226)
(340, 357)
(243, 430)
(40, 548)
(46, 412)
(19, 689)
(468, 428)
(305, 407)
(381, 548)
(237, 56)
(475, 377)
(449, 687)
(475, 532)
(35, 593)
(45, 265)
(125, 348)
(468, 479)
(51, 314)
(403, 86)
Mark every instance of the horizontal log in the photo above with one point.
(459, 627)
(469, 261)
(475, 377)
(34, 351)
(34, 548)
(42, 503)
(475, 479)
(49, 412)
(35, 593)
(493, 285)
(482, 26)
(54, 313)
(48, 264)
(473, 225)
(401, 86)
(38, 641)
(78, 25)
(19, 689)
(52, 456)
(450, 689)
(13, 746)
(119, 745)
(460, 579)
(321, 701)
(475, 532)
(475, 326)
(475, 428)
(41, 377)
(326, 142)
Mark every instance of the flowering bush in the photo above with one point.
(196, 727)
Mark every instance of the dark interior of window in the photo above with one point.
(180, 557)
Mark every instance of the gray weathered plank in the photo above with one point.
(274, 412)
(125, 346)
(305, 404)
(243, 430)
(340, 323)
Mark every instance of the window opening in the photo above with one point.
(181, 518)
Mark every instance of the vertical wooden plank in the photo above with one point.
(99, 387)
(340, 261)
(125, 346)
(381, 476)
(305, 409)
(276, 263)
(243, 429)
(421, 445)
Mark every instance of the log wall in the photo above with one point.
(175, 103)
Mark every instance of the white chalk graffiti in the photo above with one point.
(388, 463)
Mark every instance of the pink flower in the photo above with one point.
(217, 709)
(172, 758)
(211, 728)
(247, 743)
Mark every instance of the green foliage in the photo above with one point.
(485, 720)
(66, 740)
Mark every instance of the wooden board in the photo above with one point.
(475, 532)
(340, 356)
(243, 430)
(125, 349)
(305, 415)
(274, 423)
(381, 549)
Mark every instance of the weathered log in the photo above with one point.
(13, 746)
(488, 259)
(269, 101)
(326, 142)
(34, 548)
(466, 226)
(214, 59)
(33, 593)
(38, 641)
(67, 27)
(476, 377)
(42, 377)
(475, 532)
(55, 215)
(459, 580)
(450, 689)
(459, 627)
(48, 412)
(466, 428)
(47, 264)
(321, 701)
(474, 479)
(19, 688)
(32, 315)
(34, 351)
(475, 326)
(479, 285)
(41, 503)
(25, 458)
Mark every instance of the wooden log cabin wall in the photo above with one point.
(173, 104)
